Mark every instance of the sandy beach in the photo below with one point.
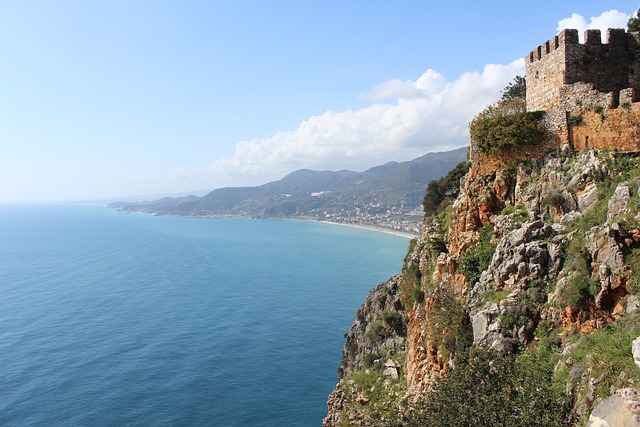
(372, 228)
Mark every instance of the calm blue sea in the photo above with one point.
(109, 318)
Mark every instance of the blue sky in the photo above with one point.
(103, 99)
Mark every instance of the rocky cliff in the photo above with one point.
(537, 264)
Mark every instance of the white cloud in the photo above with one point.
(606, 20)
(428, 84)
(428, 114)
(406, 119)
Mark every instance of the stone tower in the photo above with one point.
(606, 68)
(589, 91)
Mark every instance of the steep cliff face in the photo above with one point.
(537, 253)
(372, 359)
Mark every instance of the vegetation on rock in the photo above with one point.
(444, 190)
(477, 258)
(506, 124)
(522, 296)
(490, 389)
(634, 22)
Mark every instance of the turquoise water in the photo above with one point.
(109, 318)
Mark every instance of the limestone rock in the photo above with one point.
(619, 202)
(635, 349)
(607, 246)
(391, 372)
(619, 410)
(523, 253)
(370, 334)
(485, 327)
(587, 197)
(362, 399)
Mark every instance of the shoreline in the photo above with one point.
(371, 228)
(367, 227)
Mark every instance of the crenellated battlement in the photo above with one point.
(616, 39)
(609, 67)
(590, 90)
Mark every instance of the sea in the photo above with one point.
(110, 318)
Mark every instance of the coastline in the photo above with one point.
(371, 228)
(367, 227)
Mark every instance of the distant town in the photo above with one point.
(395, 219)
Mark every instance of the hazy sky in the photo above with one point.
(100, 99)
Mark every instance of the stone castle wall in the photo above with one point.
(616, 129)
(590, 91)
(608, 67)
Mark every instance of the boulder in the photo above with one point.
(619, 410)
(619, 202)
(524, 253)
(391, 372)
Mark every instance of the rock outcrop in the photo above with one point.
(539, 254)
(379, 328)
(561, 237)
(620, 410)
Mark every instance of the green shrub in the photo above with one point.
(487, 389)
(598, 109)
(436, 245)
(394, 320)
(370, 358)
(632, 259)
(375, 332)
(607, 353)
(607, 358)
(443, 190)
(575, 120)
(577, 257)
(491, 295)
(517, 89)
(553, 197)
(511, 319)
(417, 295)
(506, 124)
(412, 246)
(519, 213)
(508, 210)
(413, 271)
(449, 325)
(580, 292)
(477, 258)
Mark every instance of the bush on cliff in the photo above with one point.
(489, 389)
(443, 190)
(504, 125)
(477, 258)
(634, 22)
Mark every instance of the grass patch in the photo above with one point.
(606, 357)
(383, 393)
(493, 296)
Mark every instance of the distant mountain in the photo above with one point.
(393, 189)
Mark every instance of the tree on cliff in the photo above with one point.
(444, 190)
(517, 89)
(634, 22)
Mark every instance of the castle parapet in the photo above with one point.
(610, 67)
(590, 91)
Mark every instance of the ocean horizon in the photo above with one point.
(114, 318)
